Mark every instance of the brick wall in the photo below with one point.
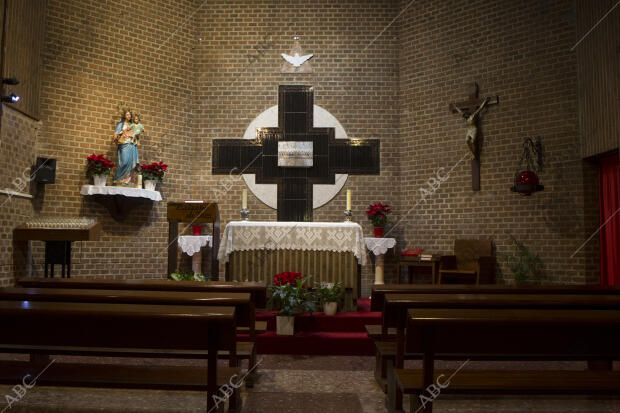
(354, 78)
(521, 52)
(202, 70)
(209, 80)
(17, 142)
(98, 55)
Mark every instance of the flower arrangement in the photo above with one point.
(377, 214)
(330, 292)
(291, 295)
(98, 165)
(153, 171)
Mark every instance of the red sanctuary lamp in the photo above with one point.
(526, 179)
(526, 183)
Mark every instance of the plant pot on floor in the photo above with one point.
(378, 232)
(285, 325)
(330, 308)
(150, 184)
(100, 180)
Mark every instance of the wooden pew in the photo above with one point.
(379, 291)
(258, 290)
(244, 307)
(505, 333)
(385, 336)
(113, 329)
(397, 306)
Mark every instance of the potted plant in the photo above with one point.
(526, 266)
(98, 166)
(377, 214)
(152, 173)
(290, 294)
(188, 276)
(330, 295)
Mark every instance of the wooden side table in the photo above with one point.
(411, 261)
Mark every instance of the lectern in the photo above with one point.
(192, 213)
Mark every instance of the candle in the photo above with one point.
(244, 199)
(348, 199)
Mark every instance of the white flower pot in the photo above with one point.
(330, 308)
(285, 325)
(100, 180)
(150, 184)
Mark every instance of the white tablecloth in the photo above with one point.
(379, 246)
(120, 190)
(191, 244)
(305, 236)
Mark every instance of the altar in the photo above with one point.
(330, 252)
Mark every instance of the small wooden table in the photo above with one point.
(58, 234)
(416, 261)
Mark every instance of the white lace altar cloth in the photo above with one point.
(305, 236)
(379, 246)
(120, 190)
(191, 244)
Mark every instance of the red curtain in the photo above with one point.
(609, 208)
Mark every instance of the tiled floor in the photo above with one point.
(299, 385)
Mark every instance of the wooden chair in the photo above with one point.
(472, 261)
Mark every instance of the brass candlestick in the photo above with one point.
(348, 215)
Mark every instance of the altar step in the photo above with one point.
(343, 334)
(317, 344)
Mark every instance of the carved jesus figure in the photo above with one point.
(472, 126)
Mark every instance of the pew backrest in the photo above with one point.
(536, 332)
(244, 314)
(396, 306)
(379, 291)
(65, 324)
(258, 290)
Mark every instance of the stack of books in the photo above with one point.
(426, 257)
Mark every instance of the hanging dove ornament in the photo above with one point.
(296, 60)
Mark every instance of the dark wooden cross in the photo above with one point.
(331, 156)
(474, 106)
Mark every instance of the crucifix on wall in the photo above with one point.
(325, 156)
(471, 110)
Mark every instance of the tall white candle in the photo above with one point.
(348, 199)
(244, 199)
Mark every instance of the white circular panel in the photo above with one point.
(268, 193)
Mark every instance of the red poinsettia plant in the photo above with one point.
(377, 214)
(153, 171)
(290, 295)
(98, 165)
(287, 277)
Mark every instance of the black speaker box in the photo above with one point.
(45, 171)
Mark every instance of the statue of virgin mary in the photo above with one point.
(126, 138)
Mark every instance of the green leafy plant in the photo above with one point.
(525, 265)
(188, 276)
(330, 292)
(292, 296)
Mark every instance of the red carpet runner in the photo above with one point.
(339, 335)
